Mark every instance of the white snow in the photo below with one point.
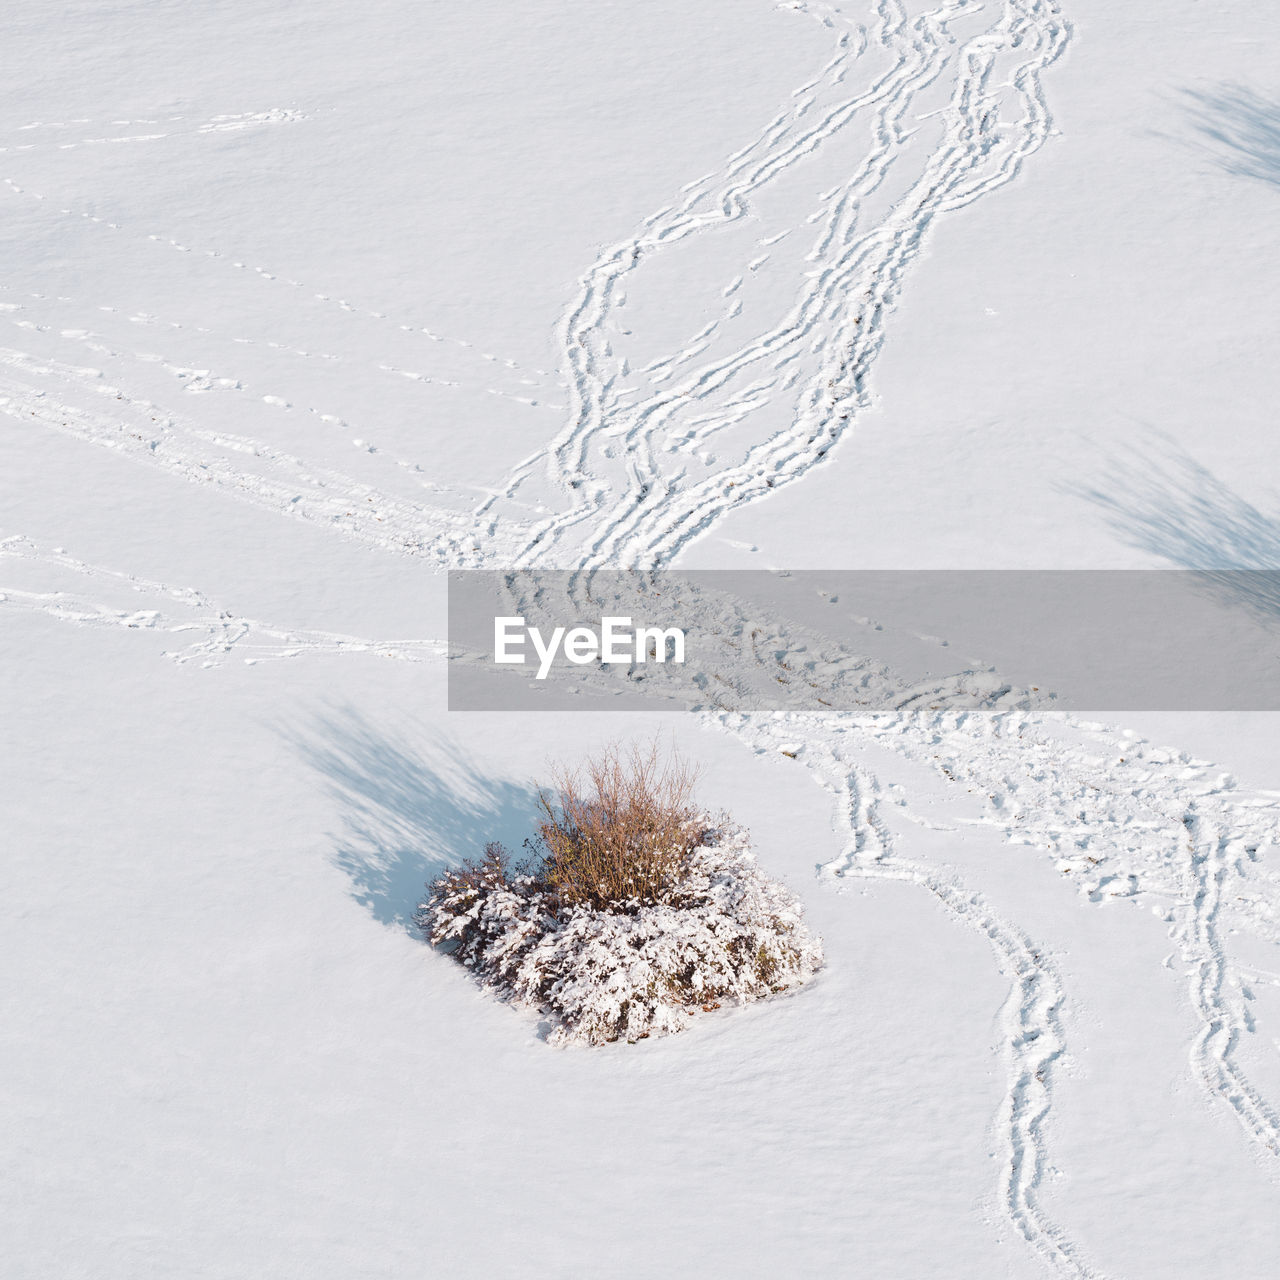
(300, 305)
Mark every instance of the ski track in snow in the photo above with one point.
(87, 337)
(189, 128)
(277, 480)
(1120, 817)
(196, 380)
(1213, 1052)
(181, 611)
(349, 310)
(837, 319)
(1030, 1017)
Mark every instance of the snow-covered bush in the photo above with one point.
(621, 836)
(639, 959)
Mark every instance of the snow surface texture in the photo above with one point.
(304, 306)
(730, 933)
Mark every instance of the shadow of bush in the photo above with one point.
(410, 809)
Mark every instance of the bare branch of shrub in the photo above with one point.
(618, 834)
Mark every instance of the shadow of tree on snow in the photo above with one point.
(410, 809)
(1241, 128)
(1175, 508)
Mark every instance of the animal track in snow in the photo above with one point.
(182, 611)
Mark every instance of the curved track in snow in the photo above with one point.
(628, 494)
(1120, 817)
(1030, 1018)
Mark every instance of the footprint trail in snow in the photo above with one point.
(916, 115)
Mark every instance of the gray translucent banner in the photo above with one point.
(865, 641)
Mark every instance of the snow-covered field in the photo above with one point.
(301, 305)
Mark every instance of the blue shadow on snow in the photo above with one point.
(410, 810)
(1240, 127)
